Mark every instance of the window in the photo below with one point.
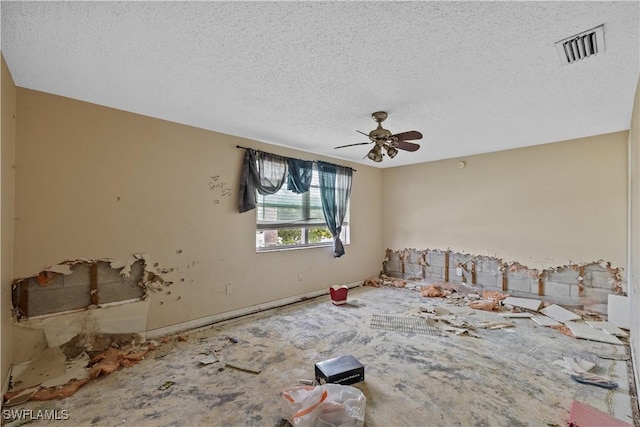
(289, 220)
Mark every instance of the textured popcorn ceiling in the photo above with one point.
(473, 77)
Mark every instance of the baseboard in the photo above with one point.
(217, 318)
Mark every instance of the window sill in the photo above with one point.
(294, 248)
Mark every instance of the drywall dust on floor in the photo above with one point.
(504, 377)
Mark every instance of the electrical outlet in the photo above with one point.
(229, 288)
(299, 277)
(458, 271)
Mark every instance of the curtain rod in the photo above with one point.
(247, 148)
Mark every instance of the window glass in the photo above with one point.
(289, 220)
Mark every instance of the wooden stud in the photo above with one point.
(473, 273)
(446, 267)
(505, 285)
(540, 285)
(94, 283)
(581, 281)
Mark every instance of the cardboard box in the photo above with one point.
(343, 370)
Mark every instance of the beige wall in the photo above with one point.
(8, 127)
(97, 182)
(542, 206)
(634, 228)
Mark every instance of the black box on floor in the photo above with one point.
(343, 370)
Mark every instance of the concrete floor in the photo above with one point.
(504, 378)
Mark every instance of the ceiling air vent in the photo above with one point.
(581, 46)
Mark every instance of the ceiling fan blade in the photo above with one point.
(412, 134)
(407, 146)
(365, 134)
(351, 145)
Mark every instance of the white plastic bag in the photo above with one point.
(327, 405)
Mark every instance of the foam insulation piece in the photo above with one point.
(618, 311)
(114, 319)
(586, 332)
(560, 314)
(529, 304)
(43, 367)
(609, 328)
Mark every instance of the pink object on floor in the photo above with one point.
(339, 294)
(585, 416)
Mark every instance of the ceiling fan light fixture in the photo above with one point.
(375, 154)
(391, 151)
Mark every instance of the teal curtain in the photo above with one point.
(299, 176)
(335, 191)
(261, 172)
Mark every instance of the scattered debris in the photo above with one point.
(43, 367)
(113, 359)
(208, 360)
(485, 305)
(433, 291)
(596, 380)
(608, 328)
(306, 382)
(560, 314)
(494, 325)
(166, 385)
(61, 392)
(579, 369)
(385, 280)
(233, 340)
(563, 329)
(584, 331)
(526, 303)
(437, 311)
(242, 367)
(376, 282)
(517, 315)
(494, 295)
(94, 344)
(544, 321)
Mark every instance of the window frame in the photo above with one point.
(305, 225)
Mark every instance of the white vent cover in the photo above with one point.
(581, 46)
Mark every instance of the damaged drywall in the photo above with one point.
(83, 283)
(592, 281)
(60, 370)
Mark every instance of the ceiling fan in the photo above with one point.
(383, 139)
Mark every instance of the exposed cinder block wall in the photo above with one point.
(49, 292)
(570, 284)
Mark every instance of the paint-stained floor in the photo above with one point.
(506, 377)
